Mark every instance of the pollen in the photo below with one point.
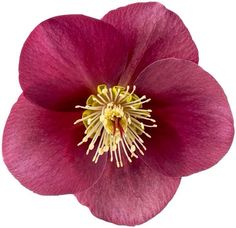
(115, 122)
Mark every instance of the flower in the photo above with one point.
(115, 111)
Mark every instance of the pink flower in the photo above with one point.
(134, 53)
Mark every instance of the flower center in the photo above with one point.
(114, 123)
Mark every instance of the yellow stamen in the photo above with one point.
(113, 121)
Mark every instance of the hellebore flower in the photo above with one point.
(115, 111)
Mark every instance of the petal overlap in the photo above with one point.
(130, 195)
(40, 149)
(66, 57)
(152, 32)
(195, 121)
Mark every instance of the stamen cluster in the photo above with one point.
(113, 120)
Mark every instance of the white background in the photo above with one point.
(206, 199)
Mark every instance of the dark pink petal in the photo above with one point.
(153, 33)
(195, 124)
(66, 57)
(40, 150)
(130, 195)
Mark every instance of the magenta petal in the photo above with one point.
(153, 33)
(195, 124)
(40, 150)
(130, 195)
(66, 57)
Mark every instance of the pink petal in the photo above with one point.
(153, 33)
(130, 195)
(66, 57)
(195, 124)
(40, 150)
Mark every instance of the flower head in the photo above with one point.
(115, 111)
